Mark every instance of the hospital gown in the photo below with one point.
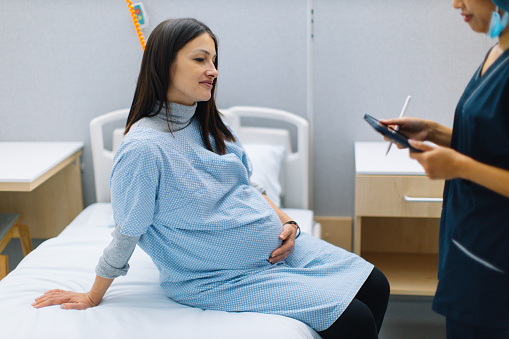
(210, 233)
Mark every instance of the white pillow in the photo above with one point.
(267, 163)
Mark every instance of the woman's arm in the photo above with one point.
(282, 215)
(112, 264)
(496, 179)
(445, 163)
(288, 235)
(439, 134)
(75, 301)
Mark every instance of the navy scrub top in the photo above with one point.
(474, 229)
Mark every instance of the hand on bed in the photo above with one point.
(66, 300)
(288, 236)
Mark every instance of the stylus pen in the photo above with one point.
(402, 114)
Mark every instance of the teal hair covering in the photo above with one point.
(504, 4)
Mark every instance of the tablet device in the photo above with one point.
(390, 133)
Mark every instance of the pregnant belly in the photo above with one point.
(242, 247)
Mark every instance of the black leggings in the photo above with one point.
(363, 318)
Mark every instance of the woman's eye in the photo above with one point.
(199, 59)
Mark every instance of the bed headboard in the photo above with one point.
(295, 168)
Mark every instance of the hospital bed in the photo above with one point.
(135, 306)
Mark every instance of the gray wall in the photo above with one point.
(65, 62)
(369, 56)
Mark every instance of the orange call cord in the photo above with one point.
(136, 23)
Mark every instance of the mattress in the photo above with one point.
(134, 306)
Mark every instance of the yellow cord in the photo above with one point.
(136, 23)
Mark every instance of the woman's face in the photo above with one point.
(193, 72)
(477, 13)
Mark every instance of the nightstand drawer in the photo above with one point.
(398, 196)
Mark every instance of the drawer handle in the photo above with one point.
(412, 199)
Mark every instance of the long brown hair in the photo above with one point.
(166, 40)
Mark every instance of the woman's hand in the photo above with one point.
(288, 236)
(422, 130)
(66, 299)
(439, 162)
(414, 128)
(446, 163)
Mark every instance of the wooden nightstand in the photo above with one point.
(42, 182)
(397, 216)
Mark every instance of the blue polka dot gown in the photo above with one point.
(210, 233)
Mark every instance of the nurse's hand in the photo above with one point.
(288, 236)
(414, 128)
(439, 162)
(66, 300)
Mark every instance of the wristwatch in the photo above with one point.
(291, 222)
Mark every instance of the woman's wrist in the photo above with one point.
(99, 289)
(431, 128)
(294, 223)
(438, 134)
(466, 167)
(91, 299)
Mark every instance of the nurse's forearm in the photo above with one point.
(439, 134)
(493, 178)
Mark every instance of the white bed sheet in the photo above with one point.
(134, 306)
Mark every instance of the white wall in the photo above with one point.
(65, 62)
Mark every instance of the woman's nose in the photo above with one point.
(212, 71)
(457, 4)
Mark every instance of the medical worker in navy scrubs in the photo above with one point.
(473, 157)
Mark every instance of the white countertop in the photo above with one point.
(370, 159)
(25, 161)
